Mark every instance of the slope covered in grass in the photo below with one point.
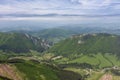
(18, 43)
(92, 50)
(87, 44)
(36, 71)
(92, 60)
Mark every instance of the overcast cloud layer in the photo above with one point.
(51, 8)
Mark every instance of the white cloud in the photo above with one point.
(81, 7)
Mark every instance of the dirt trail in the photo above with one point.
(9, 72)
(106, 77)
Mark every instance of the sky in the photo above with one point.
(58, 12)
(60, 8)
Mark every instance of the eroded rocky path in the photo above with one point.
(106, 77)
(9, 71)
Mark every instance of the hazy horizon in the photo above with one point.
(55, 13)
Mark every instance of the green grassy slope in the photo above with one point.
(36, 71)
(95, 60)
(86, 44)
(18, 42)
(30, 69)
(96, 50)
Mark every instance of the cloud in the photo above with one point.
(42, 8)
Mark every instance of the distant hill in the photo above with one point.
(98, 50)
(88, 43)
(60, 33)
(57, 34)
(20, 43)
(54, 34)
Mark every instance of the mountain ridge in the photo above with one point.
(21, 42)
(88, 43)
